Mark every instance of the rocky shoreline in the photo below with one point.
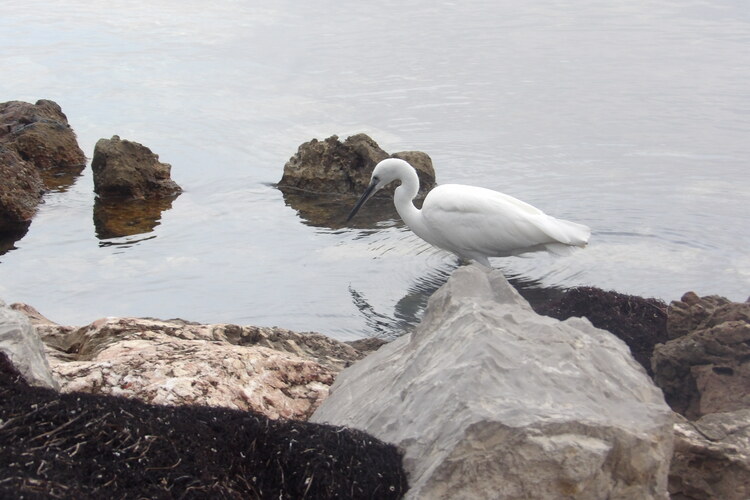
(285, 376)
(491, 396)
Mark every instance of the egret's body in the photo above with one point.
(472, 222)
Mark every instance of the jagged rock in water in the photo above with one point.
(21, 344)
(712, 457)
(37, 146)
(128, 169)
(20, 192)
(490, 400)
(706, 368)
(332, 166)
(41, 135)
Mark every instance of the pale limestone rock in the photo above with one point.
(274, 371)
(162, 369)
(21, 343)
(490, 400)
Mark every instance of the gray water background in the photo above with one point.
(631, 117)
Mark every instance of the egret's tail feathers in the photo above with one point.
(568, 233)
(560, 249)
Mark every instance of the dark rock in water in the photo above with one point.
(37, 149)
(20, 192)
(332, 166)
(126, 169)
(87, 446)
(41, 135)
(640, 323)
(706, 370)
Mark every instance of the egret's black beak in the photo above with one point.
(362, 199)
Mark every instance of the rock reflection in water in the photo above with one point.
(115, 218)
(330, 210)
(59, 180)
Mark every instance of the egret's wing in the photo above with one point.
(475, 221)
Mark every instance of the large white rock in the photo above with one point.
(490, 400)
(21, 343)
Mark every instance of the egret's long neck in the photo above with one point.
(403, 197)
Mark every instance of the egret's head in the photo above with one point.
(385, 172)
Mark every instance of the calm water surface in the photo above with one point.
(631, 117)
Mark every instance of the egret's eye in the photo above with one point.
(375, 179)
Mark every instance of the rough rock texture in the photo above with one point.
(490, 400)
(331, 166)
(693, 313)
(21, 344)
(40, 133)
(712, 458)
(640, 323)
(270, 370)
(126, 169)
(85, 446)
(36, 144)
(707, 369)
(20, 192)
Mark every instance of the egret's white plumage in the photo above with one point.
(472, 222)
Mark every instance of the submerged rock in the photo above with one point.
(490, 400)
(332, 166)
(127, 169)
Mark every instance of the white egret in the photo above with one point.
(472, 222)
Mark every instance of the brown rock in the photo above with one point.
(712, 458)
(687, 314)
(20, 192)
(331, 166)
(128, 169)
(36, 147)
(706, 370)
(40, 133)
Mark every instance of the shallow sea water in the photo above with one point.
(632, 118)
